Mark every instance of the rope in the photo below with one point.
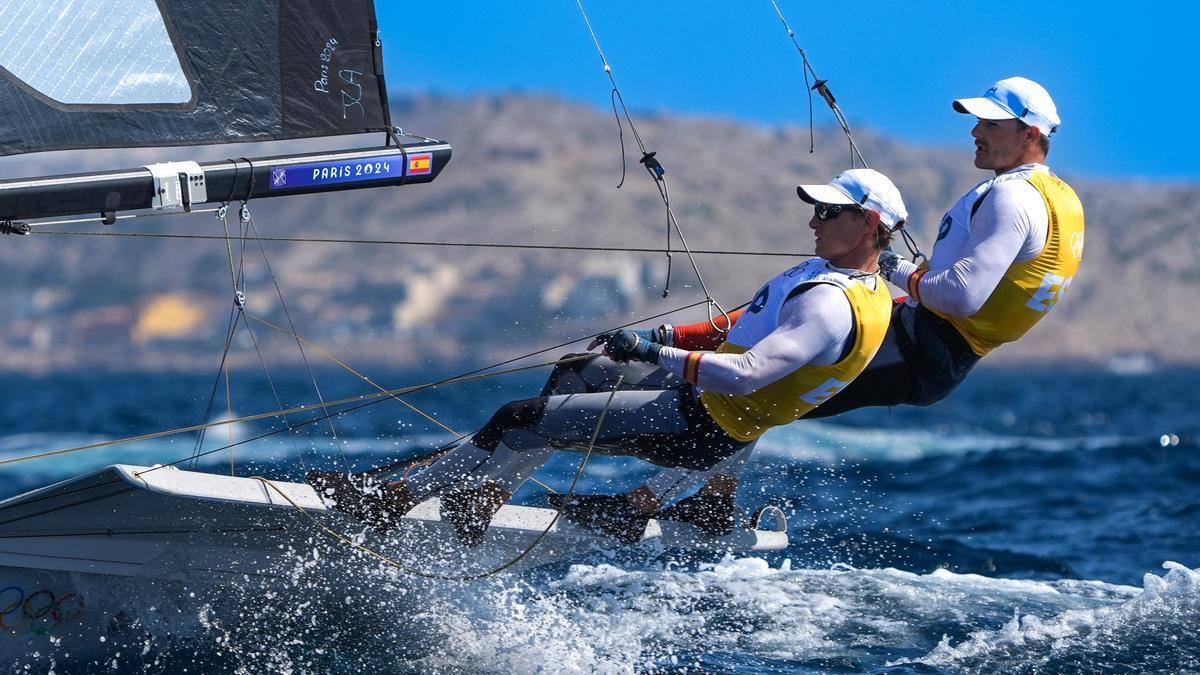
(822, 88)
(397, 242)
(250, 226)
(657, 172)
(381, 396)
(349, 369)
(429, 417)
(480, 575)
(264, 415)
(474, 374)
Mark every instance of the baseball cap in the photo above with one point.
(866, 187)
(1014, 98)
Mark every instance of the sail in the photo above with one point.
(128, 73)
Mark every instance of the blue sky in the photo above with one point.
(1123, 75)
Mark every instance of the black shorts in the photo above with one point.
(922, 359)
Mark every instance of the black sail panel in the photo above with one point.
(104, 74)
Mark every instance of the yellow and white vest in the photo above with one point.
(1030, 288)
(789, 398)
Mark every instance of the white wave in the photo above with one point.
(1154, 630)
(825, 442)
(609, 619)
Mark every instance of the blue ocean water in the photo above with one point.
(1042, 520)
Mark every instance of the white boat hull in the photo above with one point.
(75, 556)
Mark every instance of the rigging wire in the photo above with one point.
(657, 172)
(251, 227)
(234, 318)
(822, 88)
(478, 373)
(238, 277)
(497, 569)
(398, 242)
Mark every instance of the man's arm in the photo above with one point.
(1007, 218)
(813, 326)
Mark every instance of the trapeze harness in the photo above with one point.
(663, 418)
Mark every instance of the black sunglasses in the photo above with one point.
(830, 211)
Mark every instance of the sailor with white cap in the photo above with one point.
(1005, 254)
(806, 334)
(1008, 250)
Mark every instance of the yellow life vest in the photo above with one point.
(790, 397)
(1029, 289)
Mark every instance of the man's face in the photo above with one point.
(1000, 145)
(839, 235)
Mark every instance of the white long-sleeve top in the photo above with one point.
(972, 253)
(814, 327)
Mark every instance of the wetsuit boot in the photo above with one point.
(711, 514)
(380, 506)
(470, 510)
(610, 515)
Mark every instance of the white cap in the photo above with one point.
(1014, 98)
(866, 187)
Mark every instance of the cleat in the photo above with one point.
(470, 511)
(610, 515)
(711, 514)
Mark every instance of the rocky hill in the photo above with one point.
(539, 170)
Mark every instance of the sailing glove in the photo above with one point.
(623, 346)
(663, 335)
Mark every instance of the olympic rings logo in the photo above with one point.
(1077, 245)
(41, 611)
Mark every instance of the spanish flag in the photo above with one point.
(420, 165)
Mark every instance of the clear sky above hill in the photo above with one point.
(1123, 74)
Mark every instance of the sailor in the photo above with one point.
(807, 333)
(1005, 254)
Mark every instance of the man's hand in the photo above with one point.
(627, 345)
(662, 335)
(888, 259)
(900, 270)
(890, 264)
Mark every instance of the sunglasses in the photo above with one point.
(831, 211)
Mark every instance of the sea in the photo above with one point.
(1042, 519)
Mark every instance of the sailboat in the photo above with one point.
(174, 73)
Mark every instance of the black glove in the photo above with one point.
(663, 335)
(627, 345)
